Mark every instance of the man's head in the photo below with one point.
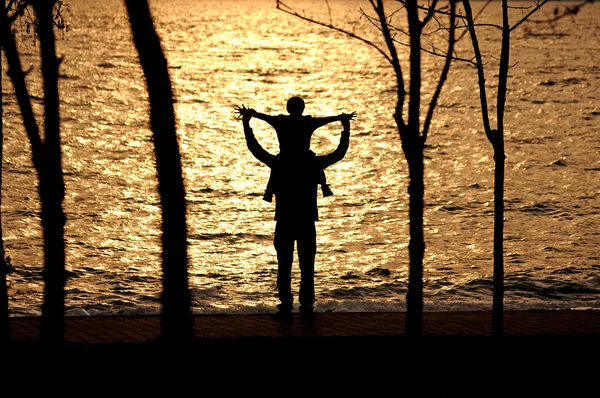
(295, 106)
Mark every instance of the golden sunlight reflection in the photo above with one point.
(227, 53)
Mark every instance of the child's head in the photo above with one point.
(295, 106)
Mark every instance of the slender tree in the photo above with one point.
(496, 135)
(408, 111)
(52, 186)
(4, 321)
(46, 157)
(176, 312)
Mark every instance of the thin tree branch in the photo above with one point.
(18, 12)
(573, 10)
(444, 74)
(429, 8)
(435, 51)
(539, 5)
(430, 13)
(503, 68)
(395, 60)
(373, 21)
(17, 76)
(8, 7)
(475, 18)
(480, 71)
(288, 10)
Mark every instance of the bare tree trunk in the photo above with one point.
(4, 321)
(416, 246)
(498, 295)
(52, 320)
(4, 324)
(413, 152)
(176, 313)
(496, 138)
(499, 158)
(52, 186)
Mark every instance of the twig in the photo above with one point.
(445, 70)
(539, 5)
(288, 10)
(573, 10)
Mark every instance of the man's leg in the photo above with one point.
(307, 250)
(284, 245)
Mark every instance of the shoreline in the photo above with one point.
(146, 329)
(455, 346)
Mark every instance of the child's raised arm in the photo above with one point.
(243, 110)
(272, 120)
(322, 121)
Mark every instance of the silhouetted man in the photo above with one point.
(295, 214)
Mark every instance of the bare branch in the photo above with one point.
(488, 25)
(436, 30)
(9, 5)
(475, 19)
(430, 13)
(397, 29)
(436, 52)
(444, 74)
(370, 19)
(480, 71)
(375, 21)
(19, 11)
(329, 11)
(537, 7)
(502, 78)
(394, 57)
(573, 10)
(15, 72)
(518, 7)
(429, 9)
(288, 10)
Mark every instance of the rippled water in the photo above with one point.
(224, 53)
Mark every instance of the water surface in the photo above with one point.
(226, 53)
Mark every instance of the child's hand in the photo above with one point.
(345, 119)
(242, 112)
(347, 116)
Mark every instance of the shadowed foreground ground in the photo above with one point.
(542, 351)
(143, 331)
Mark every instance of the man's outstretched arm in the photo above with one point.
(255, 148)
(339, 153)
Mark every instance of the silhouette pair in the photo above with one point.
(294, 132)
(295, 174)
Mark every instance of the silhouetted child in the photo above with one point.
(294, 132)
